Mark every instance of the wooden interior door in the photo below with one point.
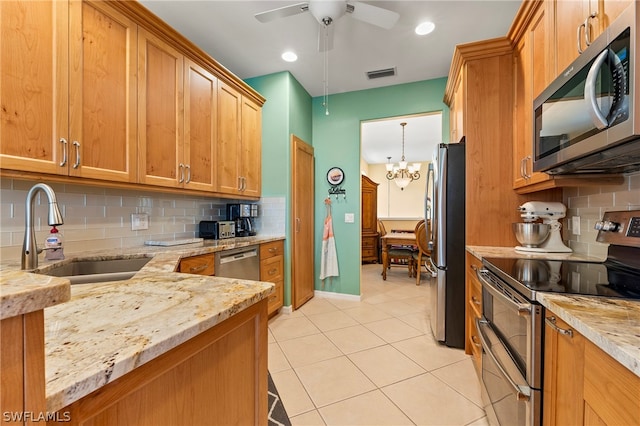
(302, 195)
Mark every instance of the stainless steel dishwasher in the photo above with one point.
(242, 263)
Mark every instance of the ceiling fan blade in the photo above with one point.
(325, 37)
(374, 15)
(282, 12)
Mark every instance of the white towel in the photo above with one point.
(329, 259)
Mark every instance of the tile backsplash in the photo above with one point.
(100, 218)
(590, 203)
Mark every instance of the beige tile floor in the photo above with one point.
(372, 362)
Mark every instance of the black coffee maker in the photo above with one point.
(243, 214)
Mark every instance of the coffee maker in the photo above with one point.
(243, 214)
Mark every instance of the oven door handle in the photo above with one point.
(487, 335)
(523, 309)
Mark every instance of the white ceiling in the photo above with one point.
(230, 33)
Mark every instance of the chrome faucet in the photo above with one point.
(30, 250)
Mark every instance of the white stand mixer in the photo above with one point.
(549, 212)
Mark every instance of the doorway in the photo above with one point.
(385, 141)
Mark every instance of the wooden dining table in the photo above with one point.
(394, 239)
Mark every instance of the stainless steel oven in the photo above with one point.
(511, 334)
(512, 330)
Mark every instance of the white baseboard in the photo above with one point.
(331, 295)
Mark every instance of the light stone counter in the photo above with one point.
(21, 292)
(108, 329)
(611, 324)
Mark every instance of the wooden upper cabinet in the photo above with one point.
(33, 91)
(68, 107)
(229, 110)
(102, 97)
(160, 97)
(532, 74)
(239, 143)
(200, 127)
(570, 15)
(251, 140)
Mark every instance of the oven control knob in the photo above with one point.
(607, 226)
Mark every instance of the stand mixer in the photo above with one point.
(549, 212)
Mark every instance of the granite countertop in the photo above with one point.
(105, 330)
(611, 324)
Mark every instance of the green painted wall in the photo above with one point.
(336, 142)
(287, 111)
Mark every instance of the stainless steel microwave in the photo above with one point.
(586, 120)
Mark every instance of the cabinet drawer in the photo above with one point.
(271, 270)
(274, 248)
(369, 243)
(475, 294)
(276, 299)
(200, 265)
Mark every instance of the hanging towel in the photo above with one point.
(329, 259)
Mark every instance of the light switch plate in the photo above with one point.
(139, 221)
(349, 218)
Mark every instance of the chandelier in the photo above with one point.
(402, 174)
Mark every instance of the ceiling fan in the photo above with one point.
(328, 11)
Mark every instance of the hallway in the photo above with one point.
(373, 362)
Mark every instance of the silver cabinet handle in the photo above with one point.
(199, 268)
(77, 163)
(583, 25)
(244, 183)
(526, 161)
(551, 322)
(298, 224)
(587, 31)
(65, 150)
(522, 173)
(239, 183)
(188, 167)
(181, 172)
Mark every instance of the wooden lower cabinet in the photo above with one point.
(272, 270)
(202, 264)
(582, 384)
(370, 251)
(216, 378)
(473, 310)
(22, 388)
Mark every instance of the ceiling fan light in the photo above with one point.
(327, 9)
(425, 28)
(289, 56)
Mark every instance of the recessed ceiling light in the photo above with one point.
(289, 56)
(425, 28)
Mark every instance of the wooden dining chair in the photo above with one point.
(421, 257)
(401, 255)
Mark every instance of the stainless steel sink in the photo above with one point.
(95, 271)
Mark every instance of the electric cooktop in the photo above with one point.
(608, 278)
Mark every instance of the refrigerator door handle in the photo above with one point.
(441, 209)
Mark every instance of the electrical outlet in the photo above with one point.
(349, 218)
(575, 225)
(139, 221)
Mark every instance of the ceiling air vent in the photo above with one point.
(387, 72)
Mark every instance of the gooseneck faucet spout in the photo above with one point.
(30, 250)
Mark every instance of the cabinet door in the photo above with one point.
(200, 103)
(563, 374)
(228, 146)
(251, 146)
(569, 15)
(532, 74)
(34, 58)
(102, 101)
(160, 99)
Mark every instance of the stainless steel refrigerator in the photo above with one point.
(445, 207)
